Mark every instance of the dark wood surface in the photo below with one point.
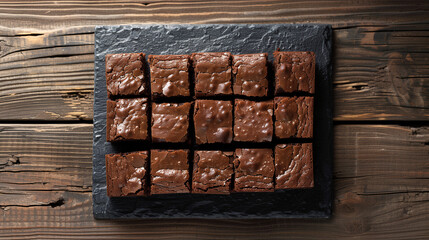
(381, 87)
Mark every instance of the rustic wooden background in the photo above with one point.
(381, 87)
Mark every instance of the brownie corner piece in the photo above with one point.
(254, 170)
(125, 74)
(126, 119)
(294, 117)
(294, 166)
(213, 121)
(249, 74)
(126, 174)
(253, 121)
(170, 122)
(212, 172)
(169, 171)
(169, 75)
(212, 72)
(294, 71)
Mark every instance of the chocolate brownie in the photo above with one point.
(124, 74)
(253, 121)
(170, 122)
(212, 172)
(254, 170)
(293, 117)
(213, 121)
(249, 74)
(294, 71)
(294, 166)
(212, 73)
(126, 119)
(126, 174)
(169, 75)
(169, 171)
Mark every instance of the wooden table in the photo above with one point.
(381, 87)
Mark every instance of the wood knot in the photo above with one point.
(349, 203)
(58, 203)
(408, 88)
(76, 95)
(12, 160)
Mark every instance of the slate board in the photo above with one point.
(237, 39)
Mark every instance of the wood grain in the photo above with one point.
(62, 14)
(55, 80)
(381, 190)
(381, 72)
(381, 55)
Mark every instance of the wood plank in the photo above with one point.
(381, 69)
(33, 174)
(381, 190)
(61, 14)
(55, 80)
(381, 73)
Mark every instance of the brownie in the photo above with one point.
(254, 170)
(124, 74)
(126, 119)
(253, 121)
(126, 174)
(294, 71)
(212, 172)
(293, 117)
(212, 73)
(213, 121)
(294, 166)
(169, 75)
(169, 171)
(170, 122)
(249, 74)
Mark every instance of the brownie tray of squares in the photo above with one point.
(212, 121)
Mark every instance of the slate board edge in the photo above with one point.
(100, 211)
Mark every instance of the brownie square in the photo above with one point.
(170, 122)
(212, 172)
(294, 166)
(213, 121)
(254, 170)
(169, 75)
(126, 174)
(125, 74)
(212, 73)
(249, 74)
(293, 117)
(169, 171)
(126, 119)
(253, 121)
(294, 71)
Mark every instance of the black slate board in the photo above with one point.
(237, 39)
